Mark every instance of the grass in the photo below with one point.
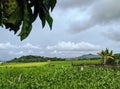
(91, 62)
(55, 63)
(34, 64)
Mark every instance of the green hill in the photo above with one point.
(89, 56)
(31, 58)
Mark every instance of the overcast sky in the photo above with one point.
(80, 27)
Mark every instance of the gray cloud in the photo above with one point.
(70, 4)
(79, 27)
(113, 35)
(105, 11)
(102, 12)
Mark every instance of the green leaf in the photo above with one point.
(111, 53)
(15, 17)
(42, 13)
(0, 13)
(106, 52)
(26, 14)
(25, 30)
(42, 17)
(49, 20)
(36, 11)
(52, 4)
(103, 52)
(0, 19)
(27, 24)
(16, 26)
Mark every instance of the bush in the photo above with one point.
(110, 62)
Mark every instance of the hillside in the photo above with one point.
(31, 58)
(88, 56)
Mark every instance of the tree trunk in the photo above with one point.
(104, 60)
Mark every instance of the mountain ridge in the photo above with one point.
(88, 56)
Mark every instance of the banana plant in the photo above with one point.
(107, 56)
(20, 14)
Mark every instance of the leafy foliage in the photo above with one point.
(14, 13)
(117, 56)
(108, 56)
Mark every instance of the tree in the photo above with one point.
(117, 58)
(108, 56)
(16, 13)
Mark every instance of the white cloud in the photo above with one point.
(66, 52)
(9, 51)
(71, 46)
(56, 52)
(7, 45)
(29, 46)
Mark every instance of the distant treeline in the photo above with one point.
(31, 58)
(117, 56)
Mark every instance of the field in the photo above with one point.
(58, 75)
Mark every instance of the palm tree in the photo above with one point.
(108, 56)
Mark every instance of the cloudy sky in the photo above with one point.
(80, 27)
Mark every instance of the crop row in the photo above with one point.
(59, 77)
